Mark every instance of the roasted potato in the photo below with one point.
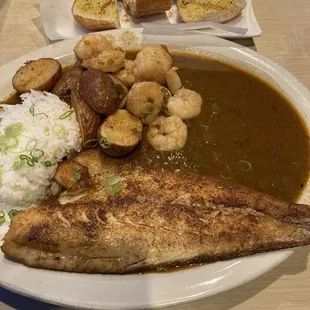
(121, 89)
(88, 119)
(73, 176)
(99, 92)
(120, 133)
(68, 82)
(41, 74)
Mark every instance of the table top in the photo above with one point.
(285, 40)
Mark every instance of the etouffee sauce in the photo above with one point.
(247, 132)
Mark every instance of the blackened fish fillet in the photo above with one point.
(158, 219)
(122, 235)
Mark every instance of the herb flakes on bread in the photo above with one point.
(219, 11)
(96, 15)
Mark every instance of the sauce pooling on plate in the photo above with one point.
(247, 132)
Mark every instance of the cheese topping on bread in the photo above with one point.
(96, 14)
(210, 10)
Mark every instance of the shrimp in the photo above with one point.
(107, 61)
(89, 44)
(145, 100)
(173, 80)
(156, 52)
(126, 74)
(152, 64)
(185, 104)
(167, 134)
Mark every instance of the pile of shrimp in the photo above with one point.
(156, 94)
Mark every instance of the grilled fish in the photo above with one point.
(158, 219)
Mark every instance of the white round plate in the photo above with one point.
(153, 290)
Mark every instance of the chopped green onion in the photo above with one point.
(0, 119)
(18, 164)
(113, 180)
(2, 220)
(278, 185)
(161, 269)
(31, 144)
(114, 189)
(46, 163)
(58, 130)
(113, 185)
(29, 160)
(2, 214)
(31, 110)
(66, 114)
(36, 154)
(147, 108)
(105, 143)
(8, 142)
(14, 130)
(91, 143)
(77, 172)
(13, 213)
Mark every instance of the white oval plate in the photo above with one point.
(153, 290)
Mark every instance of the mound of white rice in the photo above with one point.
(34, 137)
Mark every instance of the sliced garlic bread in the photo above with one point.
(138, 8)
(219, 11)
(96, 14)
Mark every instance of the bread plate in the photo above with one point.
(140, 291)
(59, 23)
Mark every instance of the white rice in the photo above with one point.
(29, 184)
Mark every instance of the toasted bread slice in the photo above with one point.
(138, 8)
(210, 10)
(96, 14)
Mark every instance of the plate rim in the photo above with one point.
(277, 257)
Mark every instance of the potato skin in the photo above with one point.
(121, 89)
(129, 129)
(68, 82)
(98, 91)
(41, 74)
(89, 120)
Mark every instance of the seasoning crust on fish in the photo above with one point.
(158, 219)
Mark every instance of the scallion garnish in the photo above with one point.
(160, 269)
(113, 185)
(8, 142)
(91, 143)
(29, 160)
(46, 163)
(2, 214)
(31, 144)
(147, 108)
(66, 114)
(13, 213)
(105, 143)
(31, 110)
(36, 154)
(77, 172)
(18, 164)
(58, 130)
(2, 220)
(14, 130)
(113, 180)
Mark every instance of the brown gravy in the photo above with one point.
(247, 133)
